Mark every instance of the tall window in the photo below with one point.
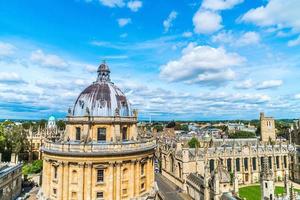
(142, 168)
(237, 164)
(229, 164)
(55, 172)
(124, 133)
(211, 165)
(284, 162)
(246, 163)
(270, 162)
(101, 134)
(277, 162)
(254, 164)
(100, 175)
(78, 132)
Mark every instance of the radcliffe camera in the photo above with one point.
(150, 100)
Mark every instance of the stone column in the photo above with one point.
(132, 179)
(61, 180)
(81, 181)
(118, 180)
(88, 188)
(66, 181)
(111, 181)
(137, 178)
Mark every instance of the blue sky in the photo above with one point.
(187, 60)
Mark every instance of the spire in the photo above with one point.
(103, 72)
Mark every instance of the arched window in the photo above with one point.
(124, 133)
(237, 164)
(211, 165)
(246, 163)
(125, 174)
(229, 168)
(74, 176)
(171, 163)
(254, 163)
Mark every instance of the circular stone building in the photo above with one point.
(101, 155)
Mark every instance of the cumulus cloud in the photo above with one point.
(48, 60)
(6, 49)
(269, 84)
(245, 39)
(201, 64)
(247, 84)
(297, 96)
(220, 4)
(168, 23)
(112, 3)
(276, 14)
(10, 78)
(294, 42)
(123, 21)
(206, 22)
(134, 5)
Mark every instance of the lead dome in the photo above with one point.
(102, 98)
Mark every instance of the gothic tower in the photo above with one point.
(267, 128)
(266, 181)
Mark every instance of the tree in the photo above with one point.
(242, 134)
(61, 124)
(193, 143)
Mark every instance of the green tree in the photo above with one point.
(242, 134)
(61, 124)
(193, 143)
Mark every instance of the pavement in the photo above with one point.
(168, 190)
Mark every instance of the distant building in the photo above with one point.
(10, 179)
(267, 128)
(233, 127)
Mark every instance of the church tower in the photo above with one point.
(266, 181)
(267, 128)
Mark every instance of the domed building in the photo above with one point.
(101, 155)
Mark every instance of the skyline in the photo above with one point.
(192, 60)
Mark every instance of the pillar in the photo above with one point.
(132, 179)
(118, 180)
(88, 187)
(66, 181)
(81, 181)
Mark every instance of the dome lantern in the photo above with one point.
(103, 72)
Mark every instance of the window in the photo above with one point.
(277, 162)
(142, 168)
(284, 161)
(74, 195)
(54, 191)
(125, 174)
(211, 165)
(100, 175)
(74, 176)
(78, 131)
(124, 191)
(142, 186)
(124, 133)
(246, 163)
(101, 134)
(237, 165)
(55, 172)
(254, 164)
(229, 164)
(270, 162)
(266, 185)
(99, 195)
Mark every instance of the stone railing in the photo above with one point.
(112, 119)
(94, 148)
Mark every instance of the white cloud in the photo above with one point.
(112, 3)
(48, 60)
(6, 49)
(294, 42)
(276, 14)
(168, 23)
(220, 4)
(206, 22)
(134, 5)
(247, 84)
(248, 38)
(214, 78)
(10, 78)
(227, 37)
(124, 21)
(187, 34)
(201, 63)
(269, 84)
(297, 96)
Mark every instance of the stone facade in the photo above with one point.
(10, 180)
(267, 128)
(99, 157)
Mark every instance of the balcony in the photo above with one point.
(98, 149)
